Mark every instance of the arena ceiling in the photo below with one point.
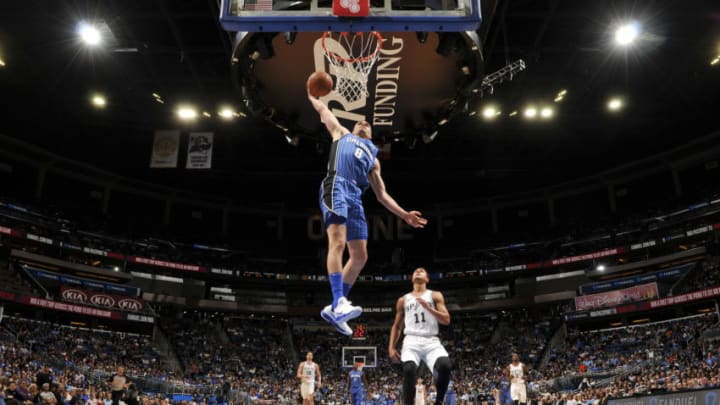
(177, 50)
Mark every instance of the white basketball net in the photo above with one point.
(353, 56)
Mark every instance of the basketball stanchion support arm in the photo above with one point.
(506, 73)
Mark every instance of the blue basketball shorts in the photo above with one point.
(341, 203)
(357, 397)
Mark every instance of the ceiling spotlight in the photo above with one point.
(562, 93)
(156, 95)
(89, 34)
(513, 113)
(531, 112)
(2, 63)
(546, 112)
(490, 112)
(600, 267)
(626, 34)
(98, 100)
(206, 114)
(615, 104)
(293, 140)
(712, 62)
(427, 138)
(226, 113)
(187, 113)
(442, 121)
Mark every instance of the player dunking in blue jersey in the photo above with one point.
(356, 386)
(352, 167)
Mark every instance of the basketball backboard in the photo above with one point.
(359, 354)
(318, 16)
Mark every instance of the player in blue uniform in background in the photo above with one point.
(503, 391)
(352, 167)
(356, 386)
(450, 396)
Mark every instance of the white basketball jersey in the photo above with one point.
(308, 372)
(418, 321)
(420, 394)
(516, 374)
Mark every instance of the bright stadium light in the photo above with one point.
(2, 62)
(530, 112)
(226, 113)
(89, 34)
(626, 34)
(615, 104)
(98, 100)
(187, 113)
(546, 112)
(601, 267)
(712, 62)
(490, 112)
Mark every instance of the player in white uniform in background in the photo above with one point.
(308, 373)
(516, 372)
(417, 315)
(420, 393)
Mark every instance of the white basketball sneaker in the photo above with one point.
(342, 327)
(345, 311)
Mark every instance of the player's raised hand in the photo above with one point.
(415, 219)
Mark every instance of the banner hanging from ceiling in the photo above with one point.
(200, 148)
(165, 149)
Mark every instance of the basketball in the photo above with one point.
(319, 84)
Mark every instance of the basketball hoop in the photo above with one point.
(351, 56)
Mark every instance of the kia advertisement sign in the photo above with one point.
(414, 84)
(73, 294)
(101, 299)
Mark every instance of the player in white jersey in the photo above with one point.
(516, 372)
(308, 373)
(420, 394)
(417, 316)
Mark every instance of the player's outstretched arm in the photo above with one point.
(440, 311)
(396, 329)
(328, 118)
(412, 218)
